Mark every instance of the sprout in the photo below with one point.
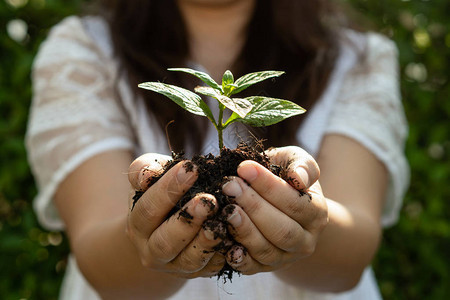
(255, 111)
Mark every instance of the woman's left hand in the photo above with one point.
(277, 222)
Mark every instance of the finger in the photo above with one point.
(317, 222)
(277, 227)
(199, 252)
(144, 168)
(169, 239)
(301, 206)
(248, 235)
(214, 266)
(301, 169)
(240, 260)
(154, 205)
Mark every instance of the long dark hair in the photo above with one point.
(295, 36)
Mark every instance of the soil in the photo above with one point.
(213, 172)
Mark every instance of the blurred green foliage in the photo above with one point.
(414, 258)
(32, 260)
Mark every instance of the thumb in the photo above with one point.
(146, 167)
(300, 168)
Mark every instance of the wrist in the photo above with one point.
(337, 265)
(108, 242)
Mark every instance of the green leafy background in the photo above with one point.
(414, 259)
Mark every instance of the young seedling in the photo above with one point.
(255, 111)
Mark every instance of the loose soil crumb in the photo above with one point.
(185, 215)
(136, 197)
(303, 193)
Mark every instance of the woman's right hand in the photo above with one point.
(183, 244)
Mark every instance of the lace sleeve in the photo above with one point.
(74, 114)
(369, 110)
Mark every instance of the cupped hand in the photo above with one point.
(276, 221)
(182, 245)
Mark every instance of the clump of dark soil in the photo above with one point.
(213, 172)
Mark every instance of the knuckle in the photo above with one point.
(189, 265)
(160, 246)
(147, 262)
(267, 256)
(320, 220)
(147, 210)
(253, 205)
(285, 236)
(295, 207)
(307, 249)
(323, 221)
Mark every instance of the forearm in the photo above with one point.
(345, 248)
(110, 262)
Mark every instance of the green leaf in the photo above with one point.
(238, 105)
(227, 78)
(233, 118)
(200, 75)
(268, 111)
(227, 83)
(207, 91)
(184, 98)
(250, 79)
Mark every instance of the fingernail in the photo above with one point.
(303, 175)
(237, 255)
(214, 230)
(209, 235)
(205, 204)
(238, 259)
(235, 219)
(248, 172)
(143, 175)
(147, 173)
(232, 188)
(185, 173)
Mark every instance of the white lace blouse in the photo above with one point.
(82, 106)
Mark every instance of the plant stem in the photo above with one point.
(220, 126)
(219, 131)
